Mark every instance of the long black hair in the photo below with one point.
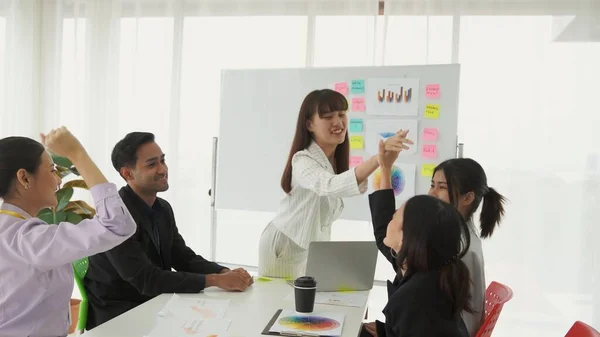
(317, 102)
(465, 175)
(436, 237)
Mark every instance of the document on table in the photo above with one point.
(180, 327)
(194, 307)
(344, 299)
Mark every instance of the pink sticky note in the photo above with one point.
(358, 104)
(342, 88)
(430, 134)
(429, 151)
(355, 161)
(432, 91)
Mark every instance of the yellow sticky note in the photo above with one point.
(264, 279)
(344, 289)
(427, 170)
(357, 142)
(432, 111)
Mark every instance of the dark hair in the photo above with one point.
(124, 154)
(17, 153)
(465, 175)
(436, 237)
(321, 102)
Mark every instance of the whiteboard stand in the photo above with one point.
(213, 211)
(460, 150)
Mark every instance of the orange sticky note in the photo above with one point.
(358, 104)
(432, 111)
(355, 161)
(342, 88)
(357, 142)
(427, 170)
(430, 134)
(429, 151)
(432, 91)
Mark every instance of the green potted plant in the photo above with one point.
(72, 211)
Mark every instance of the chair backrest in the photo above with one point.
(496, 295)
(580, 329)
(80, 268)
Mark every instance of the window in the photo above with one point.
(210, 45)
(526, 114)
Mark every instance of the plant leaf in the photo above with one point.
(79, 183)
(62, 172)
(80, 207)
(63, 196)
(44, 211)
(74, 170)
(47, 217)
(59, 217)
(74, 218)
(61, 161)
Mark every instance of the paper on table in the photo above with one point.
(320, 323)
(355, 299)
(177, 326)
(199, 308)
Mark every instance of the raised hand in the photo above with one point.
(391, 148)
(62, 143)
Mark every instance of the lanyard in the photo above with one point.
(11, 213)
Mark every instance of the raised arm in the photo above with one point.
(48, 246)
(310, 174)
(383, 206)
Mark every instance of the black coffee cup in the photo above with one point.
(305, 289)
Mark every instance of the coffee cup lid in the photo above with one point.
(305, 281)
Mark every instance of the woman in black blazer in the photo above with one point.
(424, 240)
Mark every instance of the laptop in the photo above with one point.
(342, 265)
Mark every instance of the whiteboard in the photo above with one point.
(259, 109)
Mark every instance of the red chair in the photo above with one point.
(495, 296)
(580, 329)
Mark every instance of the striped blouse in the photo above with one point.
(315, 201)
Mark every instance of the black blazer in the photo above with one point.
(416, 304)
(142, 267)
(419, 308)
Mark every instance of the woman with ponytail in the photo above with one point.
(428, 239)
(462, 182)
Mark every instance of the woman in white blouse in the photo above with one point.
(315, 179)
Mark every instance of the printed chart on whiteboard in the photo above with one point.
(403, 181)
(393, 96)
(382, 129)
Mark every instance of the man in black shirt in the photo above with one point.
(142, 267)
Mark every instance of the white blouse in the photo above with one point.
(474, 261)
(315, 201)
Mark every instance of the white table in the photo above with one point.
(249, 311)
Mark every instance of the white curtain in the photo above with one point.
(527, 111)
